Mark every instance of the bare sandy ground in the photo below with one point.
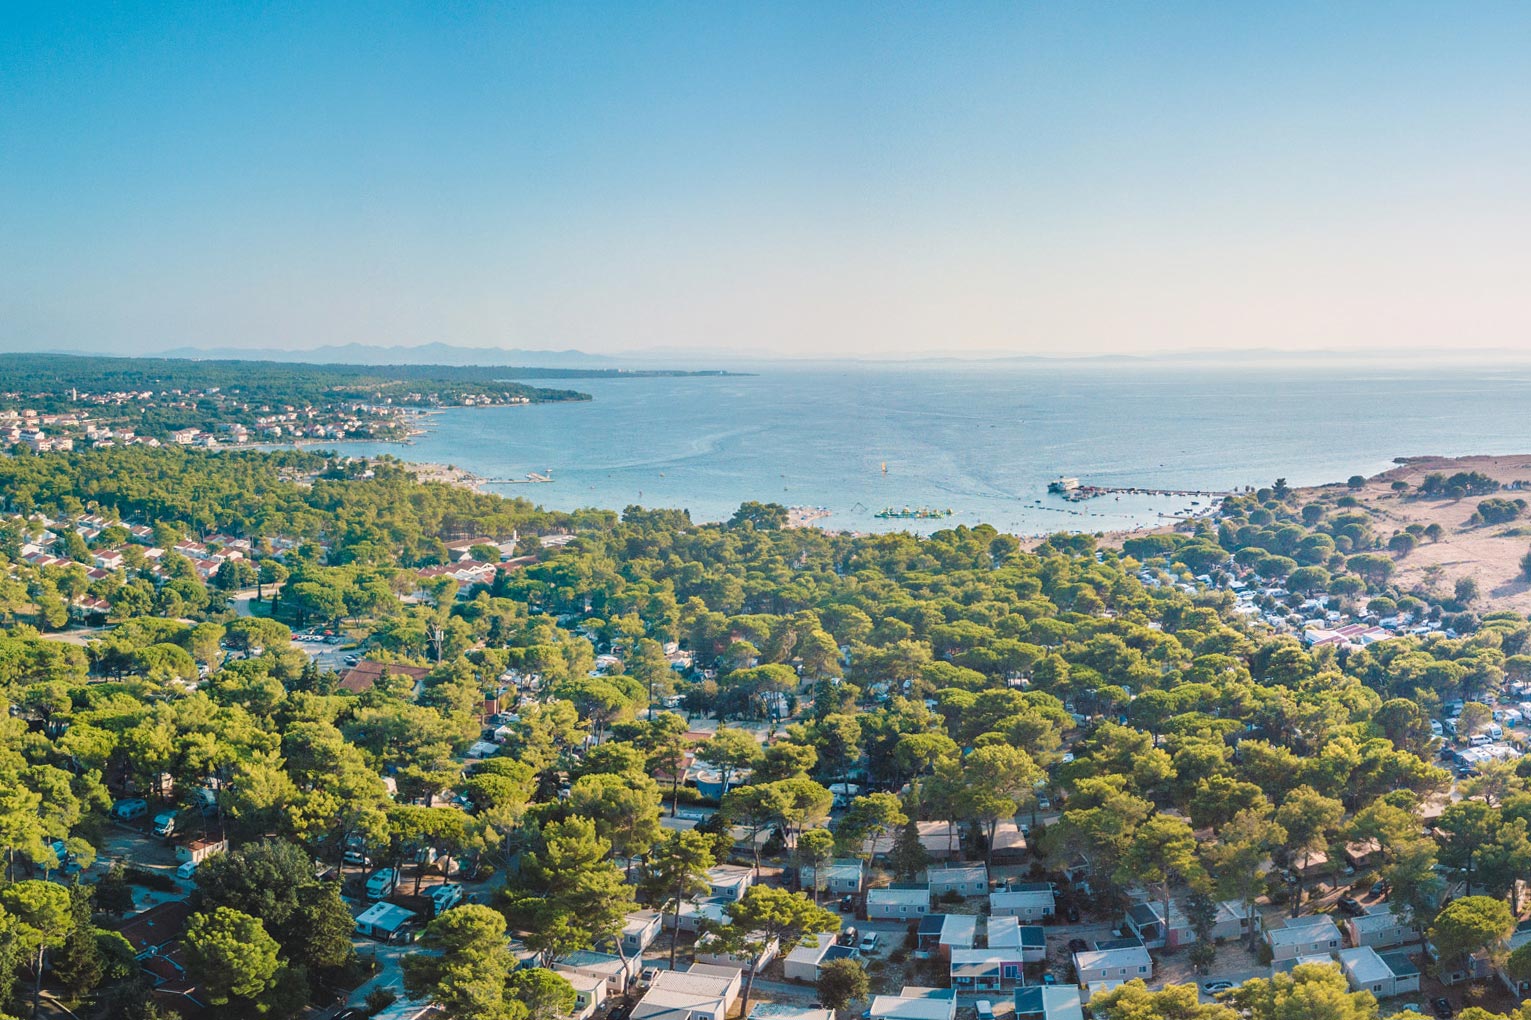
(1485, 553)
(1490, 555)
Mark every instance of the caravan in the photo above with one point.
(381, 884)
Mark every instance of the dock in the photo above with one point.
(1077, 493)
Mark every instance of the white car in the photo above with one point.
(869, 942)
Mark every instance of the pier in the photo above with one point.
(1071, 490)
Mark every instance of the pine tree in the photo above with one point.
(77, 964)
(909, 856)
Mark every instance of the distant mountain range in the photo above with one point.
(420, 354)
(690, 359)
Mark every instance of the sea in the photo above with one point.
(981, 441)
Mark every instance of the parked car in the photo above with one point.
(1379, 887)
(1077, 945)
(1351, 906)
(1213, 987)
(1442, 1008)
(985, 1009)
(1072, 913)
(848, 936)
(869, 942)
(847, 904)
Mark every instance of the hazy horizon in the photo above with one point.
(793, 181)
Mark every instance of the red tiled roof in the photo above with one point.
(363, 676)
(160, 925)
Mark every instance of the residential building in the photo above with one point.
(640, 930)
(1023, 943)
(1048, 1002)
(1303, 936)
(1520, 989)
(1096, 966)
(704, 992)
(914, 1003)
(589, 992)
(1381, 929)
(958, 931)
(838, 878)
(617, 972)
(1030, 901)
(706, 951)
(1145, 919)
(941, 841)
(803, 963)
(1367, 970)
(977, 970)
(962, 879)
(729, 881)
(897, 902)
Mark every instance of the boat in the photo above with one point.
(920, 513)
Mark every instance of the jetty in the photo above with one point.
(1072, 490)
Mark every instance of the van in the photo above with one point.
(1495, 731)
(381, 884)
(1436, 728)
(443, 897)
(205, 800)
(1479, 739)
(128, 810)
(164, 824)
(1451, 727)
(186, 869)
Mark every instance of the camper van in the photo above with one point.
(443, 897)
(1495, 731)
(1451, 727)
(164, 824)
(1436, 728)
(128, 810)
(381, 884)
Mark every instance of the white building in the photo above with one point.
(704, 992)
(803, 963)
(1384, 976)
(729, 881)
(1030, 901)
(962, 879)
(589, 992)
(895, 903)
(1303, 936)
(1096, 966)
(1048, 1002)
(1381, 929)
(914, 1003)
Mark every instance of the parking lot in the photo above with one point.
(327, 654)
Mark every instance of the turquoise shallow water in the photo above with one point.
(983, 442)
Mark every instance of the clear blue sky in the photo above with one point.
(802, 179)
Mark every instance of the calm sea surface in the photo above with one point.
(983, 443)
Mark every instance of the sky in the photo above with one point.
(807, 180)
